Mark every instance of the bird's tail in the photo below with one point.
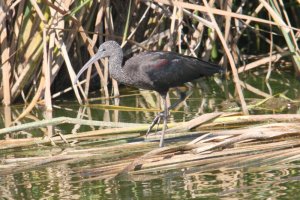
(211, 68)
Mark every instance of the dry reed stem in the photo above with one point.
(136, 28)
(70, 155)
(17, 30)
(260, 132)
(71, 71)
(198, 18)
(224, 159)
(287, 33)
(6, 67)
(257, 63)
(85, 40)
(62, 120)
(175, 155)
(230, 120)
(289, 24)
(45, 79)
(3, 8)
(31, 55)
(245, 151)
(254, 90)
(98, 20)
(47, 60)
(222, 12)
(38, 11)
(270, 61)
(210, 41)
(22, 74)
(278, 20)
(198, 121)
(108, 19)
(33, 101)
(231, 61)
(59, 25)
(227, 21)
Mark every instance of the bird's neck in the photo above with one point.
(115, 66)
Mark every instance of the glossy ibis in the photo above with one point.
(157, 71)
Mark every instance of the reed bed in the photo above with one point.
(210, 146)
(44, 43)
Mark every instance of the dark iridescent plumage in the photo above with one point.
(157, 71)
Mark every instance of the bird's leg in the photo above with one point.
(158, 121)
(165, 116)
(182, 96)
(154, 122)
(162, 114)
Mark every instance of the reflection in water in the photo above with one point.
(50, 128)
(66, 182)
(83, 180)
(7, 118)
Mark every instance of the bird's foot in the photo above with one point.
(56, 134)
(156, 120)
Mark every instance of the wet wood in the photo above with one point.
(262, 132)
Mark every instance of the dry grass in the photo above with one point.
(44, 43)
(43, 38)
(259, 144)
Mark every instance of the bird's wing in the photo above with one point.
(161, 70)
(169, 69)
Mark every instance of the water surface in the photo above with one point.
(82, 179)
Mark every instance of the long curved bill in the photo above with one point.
(96, 57)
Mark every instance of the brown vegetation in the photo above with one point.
(43, 43)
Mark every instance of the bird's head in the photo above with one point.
(107, 49)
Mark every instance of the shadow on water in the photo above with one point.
(83, 179)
